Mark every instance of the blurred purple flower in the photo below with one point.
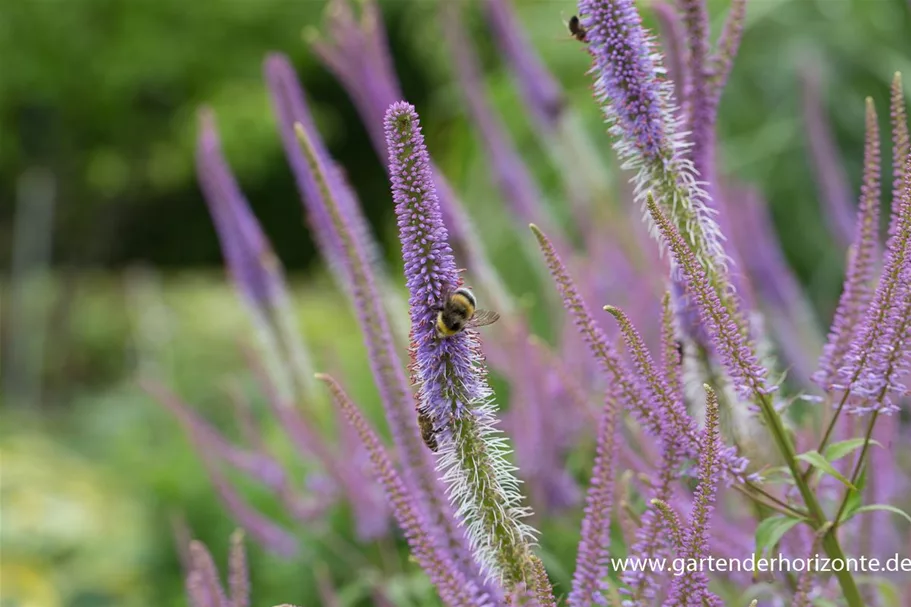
(830, 176)
(540, 91)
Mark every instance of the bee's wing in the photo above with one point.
(482, 318)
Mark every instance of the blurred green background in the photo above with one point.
(101, 95)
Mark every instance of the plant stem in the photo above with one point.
(857, 468)
(828, 434)
(817, 517)
(784, 510)
(769, 496)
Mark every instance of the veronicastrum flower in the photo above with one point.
(830, 174)
(450, 371)
(592, 559)
(640, 110)
(253, 266)
(657, 416)
(879, 356)
(737, 354)
(862, 262)
(691, 588)
(541, 92)
(204, 589)
(454, 588)
(396, 395)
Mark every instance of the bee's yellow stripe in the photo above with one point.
(442, 328)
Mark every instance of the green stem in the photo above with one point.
(857, 468)
(817, 517)
(781, 504)
(828, 434)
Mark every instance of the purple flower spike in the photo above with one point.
(830, 176)
(626, 74)
(541, 92)
(430, 270)
(678, 428)
(453, 387)
(357, 52)
(691, 588)
(880, 355)
(592, 558)
(737, 353)
(516, 185)
(675, 51)
(454, 589)
(701, 118)
(901, 142)
(639, 106)
(203, 584)
(722, 60)
(252, 264)
(862, 262)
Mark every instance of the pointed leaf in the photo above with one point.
(884, 507)
(836, 451)
(771, 530)
(816, 459)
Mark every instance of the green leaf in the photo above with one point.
(771, 530)
(815, 459)
(836, 451)
(885, 508)
(855, 498)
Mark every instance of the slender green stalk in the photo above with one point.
(817, 517)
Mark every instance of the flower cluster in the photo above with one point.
(627, 395)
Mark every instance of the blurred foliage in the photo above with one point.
(104, 94)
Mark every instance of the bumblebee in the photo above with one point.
(428, 432)
(576, 29)
(459, 311)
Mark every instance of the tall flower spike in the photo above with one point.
(516, 185)
(675, 50)
(901, 143)
(737, 354)
(691, 588)
(255, 269)
(880, 354)
(541, 92)
(701, 123)
(862, 261)
(592, 556)
(450, 371)
(453, 588)
(639, 107)
(830, 175)
(384, 360)
(203, 584)
(722, 60)
(373, 86)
